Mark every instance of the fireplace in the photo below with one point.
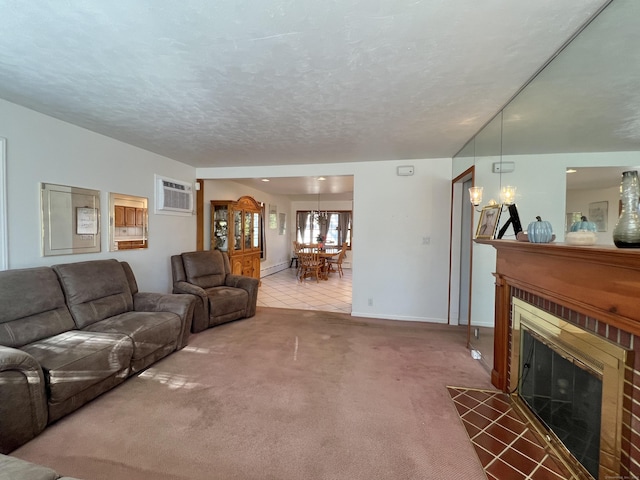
(595, 289)
(569, 383)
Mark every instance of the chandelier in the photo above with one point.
(321, 218)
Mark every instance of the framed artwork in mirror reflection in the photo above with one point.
(488, 223)
(598, 214)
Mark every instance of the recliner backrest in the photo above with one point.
(95, 290)
(33, 306)
(206, 269)
(131, 278)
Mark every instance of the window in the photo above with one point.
(334, 226)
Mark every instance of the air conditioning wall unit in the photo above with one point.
(173, 197)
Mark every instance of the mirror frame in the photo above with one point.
(70, 220)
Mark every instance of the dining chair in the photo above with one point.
(337, 261)
(309, 265)
(294, 255)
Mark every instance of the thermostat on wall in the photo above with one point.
(405, 170)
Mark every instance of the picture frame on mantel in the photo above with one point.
(488, 223)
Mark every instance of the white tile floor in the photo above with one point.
(283, 290)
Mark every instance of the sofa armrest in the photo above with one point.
(181, 305)
(23, 398)
(201, 310)
(249, 284)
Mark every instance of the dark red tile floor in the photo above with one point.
(506, 446)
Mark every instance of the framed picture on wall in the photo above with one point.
(273, 217)
(86, 221)
(283, 223)
(488, 223)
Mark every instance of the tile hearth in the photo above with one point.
(507, 447)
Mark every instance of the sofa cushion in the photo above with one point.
(33, 306)
(95, 290)
(73, 361)
(149, 331)
(12, 468)
(205, 269)
(226, 300)
(16, 469)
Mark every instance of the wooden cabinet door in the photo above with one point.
(256, 266)
(237, 265)
(129, 216)
(119, 216)
(140, 214)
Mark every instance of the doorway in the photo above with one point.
(461, 253)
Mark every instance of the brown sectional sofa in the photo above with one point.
(70, 332)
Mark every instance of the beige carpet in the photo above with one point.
(288, 394)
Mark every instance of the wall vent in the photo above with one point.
(173, 197)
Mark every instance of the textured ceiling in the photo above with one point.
(278, 82)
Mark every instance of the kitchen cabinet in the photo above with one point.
(129, 216)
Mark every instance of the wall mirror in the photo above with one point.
(581, 110)
(585, 104)
(128, 222)
(594, 192)
(70, 220)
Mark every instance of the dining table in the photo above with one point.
(324, 254)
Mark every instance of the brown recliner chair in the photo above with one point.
(223, 296)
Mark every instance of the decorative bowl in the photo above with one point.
(583, 237)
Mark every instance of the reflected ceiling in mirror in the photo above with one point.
(488, 140)
(588, 98)
(592, 178)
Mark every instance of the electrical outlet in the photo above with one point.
(370, 302)
(426, 240)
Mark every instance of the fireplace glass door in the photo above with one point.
(565, 395)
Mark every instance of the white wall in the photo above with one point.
(392, 216)
(43, 149)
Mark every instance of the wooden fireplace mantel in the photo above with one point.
(601, 282)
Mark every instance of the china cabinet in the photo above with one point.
(236, 230)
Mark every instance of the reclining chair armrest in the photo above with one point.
(201, 309)
(23, 398)
(249, 284)
(181, 305)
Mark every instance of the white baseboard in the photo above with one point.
(441, 321)
(273, 269)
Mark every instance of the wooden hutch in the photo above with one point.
(236, 228)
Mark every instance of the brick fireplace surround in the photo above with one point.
(594, 287)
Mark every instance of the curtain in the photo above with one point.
(302, 224)
(344, 221)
